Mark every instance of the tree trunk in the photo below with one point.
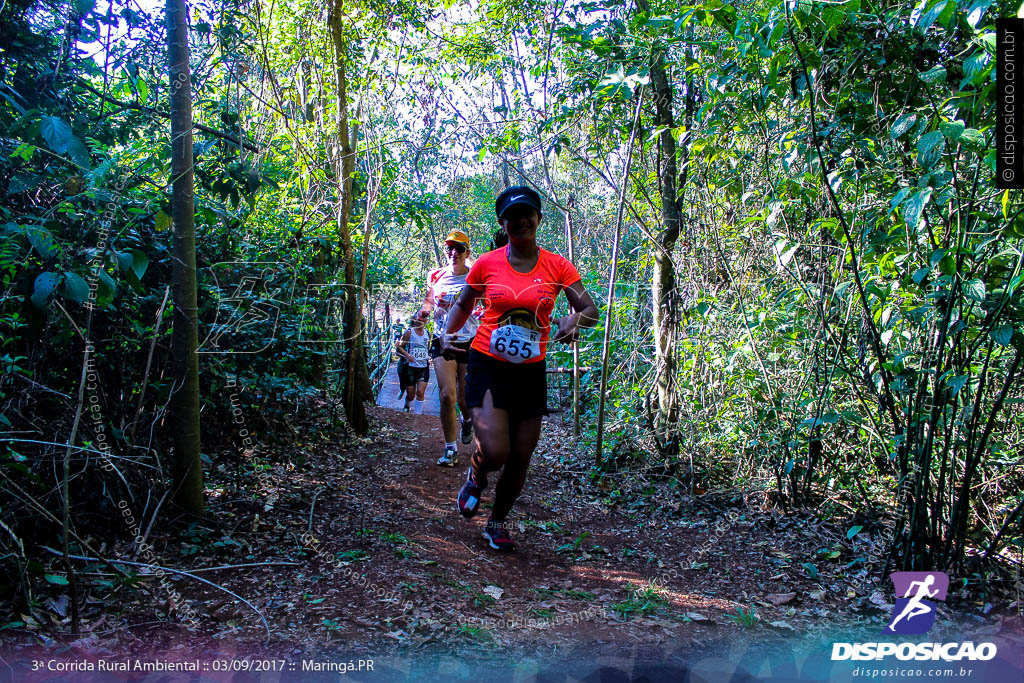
(664, 299)
(357, 388)
(319, 312)
(663, 285)
(305, 101)
(570, 239)
(187, 467)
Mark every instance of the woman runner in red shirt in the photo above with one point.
(506, 381)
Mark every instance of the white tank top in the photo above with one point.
(446, 288)
(417, 348)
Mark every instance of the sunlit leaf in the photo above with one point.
(975, 290)
(902, 125)
(930, 148)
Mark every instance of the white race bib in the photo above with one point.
(515, 344)
(419, 353)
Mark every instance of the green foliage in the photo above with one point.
(569, 593)
(477, 598)
(352, 555)
(575, 545)
(744, 617)
(475, 633)
(642, 601)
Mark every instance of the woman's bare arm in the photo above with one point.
(400, 346)
(463, 308)
(585, 313)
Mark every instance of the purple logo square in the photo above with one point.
(914, 611)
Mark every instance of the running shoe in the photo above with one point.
(450, 458)
(469, 495)
(498, 538)
(467, 431)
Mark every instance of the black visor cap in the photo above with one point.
(515, 195)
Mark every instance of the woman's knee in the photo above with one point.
(493, 453)
(448, 397)
(492, 442)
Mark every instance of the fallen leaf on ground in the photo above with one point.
(878, 600)
(494, 592)
(782, 625)
(780, 598)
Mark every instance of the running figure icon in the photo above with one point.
(913, 611)
(915, 607)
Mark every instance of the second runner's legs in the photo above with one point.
(447, 387)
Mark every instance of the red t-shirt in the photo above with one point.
(517, 320)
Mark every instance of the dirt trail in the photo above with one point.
(385, 522)
(574, 563)
(396, 569)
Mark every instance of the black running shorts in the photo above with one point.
(435, 347)
(409, 376)
(519, 388)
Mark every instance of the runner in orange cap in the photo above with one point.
(444, 285)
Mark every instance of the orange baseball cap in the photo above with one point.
(457, 236)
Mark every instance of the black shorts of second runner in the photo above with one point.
(435, 347)
(409, 376)
(519, 388)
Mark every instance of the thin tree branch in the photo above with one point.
(251, 146)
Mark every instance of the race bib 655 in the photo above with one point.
(515, 344)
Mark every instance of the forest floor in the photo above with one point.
(636, 571)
